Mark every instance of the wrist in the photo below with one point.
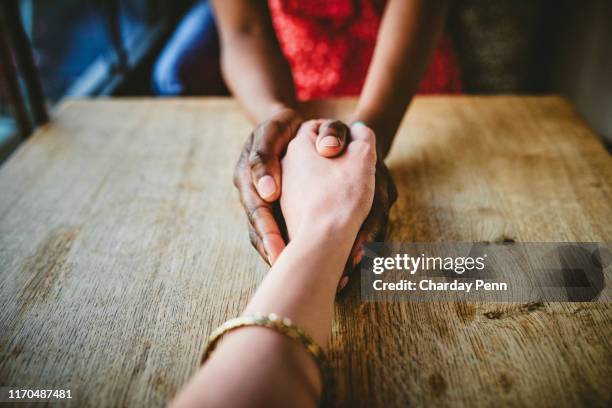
(278, 108)
(334, 232)
(284, 115)
(326, 246)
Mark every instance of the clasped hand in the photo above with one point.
(329, 176)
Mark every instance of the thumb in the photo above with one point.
(331, 138)
(269, 140)
(265, 172)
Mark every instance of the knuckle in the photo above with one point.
(241, 163)
(258, 157)
(236, 180)
(269, 127)
(243, 195)
(237, 177)
(254, 239)
(366, 152)
(315, 124)
(272, 234)
(249, 142)
(253, 210)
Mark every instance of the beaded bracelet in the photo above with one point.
(286, 327)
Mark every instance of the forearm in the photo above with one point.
(251, 59)
(406, 40)
(302, 283)
(257, 365)
(266, 86)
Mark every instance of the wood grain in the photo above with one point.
(122, 245)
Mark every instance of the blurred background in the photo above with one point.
(79, 48)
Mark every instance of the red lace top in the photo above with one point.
(329, 45)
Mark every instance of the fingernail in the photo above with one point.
(266, 187)
(358, 123)
(343, 282)
(329, 141)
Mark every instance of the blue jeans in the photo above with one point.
(189, 63)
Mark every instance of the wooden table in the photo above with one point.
(122, 245)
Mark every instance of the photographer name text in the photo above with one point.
(430, 285)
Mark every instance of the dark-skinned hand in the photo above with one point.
(258, 175)
(258, 179)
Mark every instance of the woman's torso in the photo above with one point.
(329, 45)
